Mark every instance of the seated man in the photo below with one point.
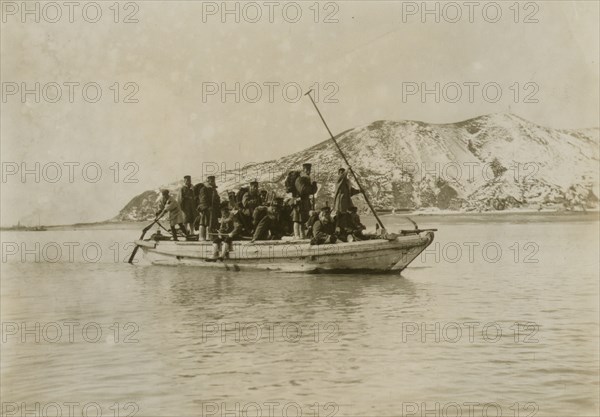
(246, 220)
(280, 227)
(232, 228)
(267, 228)
(252, 199)
(356, 226)
(264, 196)
(284, 216)
(324, 228)
(257, 215)
(313, 217)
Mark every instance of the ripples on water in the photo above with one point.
(360, 348)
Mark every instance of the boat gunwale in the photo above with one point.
(306, 250)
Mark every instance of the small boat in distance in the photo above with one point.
(21, 228)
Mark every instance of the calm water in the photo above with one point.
(165, 341)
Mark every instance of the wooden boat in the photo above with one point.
(395, 252)
(384, 252)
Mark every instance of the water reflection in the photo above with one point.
(295, 295)
(368, 369)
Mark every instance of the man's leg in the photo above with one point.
(174, 232)
(225, 248)
(297, 230)
(296, 221)
(216, 248)
(183, 229)
(203, 229)
(304, 215)
(215, 253)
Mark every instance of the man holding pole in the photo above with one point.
(168, 204)
(362, 190)
(342, 202)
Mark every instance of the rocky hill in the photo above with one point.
(492, 162)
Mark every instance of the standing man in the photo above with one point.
(197, 188)
(168, 204)
(305, 187)
(209, 206)
(187, 200)
(342, 202)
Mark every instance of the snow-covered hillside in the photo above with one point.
(492, 162)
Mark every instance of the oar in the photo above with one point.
(142, 236)
(347, 163)
(163, 227)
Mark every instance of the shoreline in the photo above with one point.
(516, 216)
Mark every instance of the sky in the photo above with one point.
(161, 68)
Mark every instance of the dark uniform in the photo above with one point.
(266, 228)
(284, 215)
(187, 200)
(209, 206)
(197, 188)
(258, 214)
(304, 189)
(232, 228)
(310, 223)
(323, 232)
(323, 229)
(252, 199)
(356, 224)
(342, 202)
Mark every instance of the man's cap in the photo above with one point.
(164, 191)
(210, 177)
(187, 177)
(307, 165)
(278, 199)
(253, 182)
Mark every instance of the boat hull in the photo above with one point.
(294, 256)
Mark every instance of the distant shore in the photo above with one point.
(509, 216)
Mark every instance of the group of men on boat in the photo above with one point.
(256, 214)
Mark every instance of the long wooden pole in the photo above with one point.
(347, 163)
